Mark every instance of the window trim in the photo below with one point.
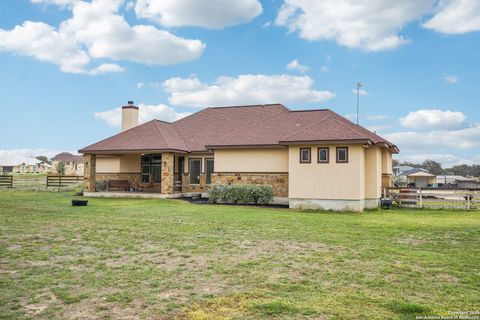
(318, 155)
(346, 155)
(190, 171)
(205, 171)
(309, 153)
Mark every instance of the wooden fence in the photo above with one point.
(433, 198)
(6, 181)
(63, 181)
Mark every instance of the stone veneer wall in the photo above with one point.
(132, 177)
(187, 187)
(278, 181)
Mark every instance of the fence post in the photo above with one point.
(59, 182)
(421, 198)
(468, 201)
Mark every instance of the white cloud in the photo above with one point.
(456, 17)
(375, 117)
(371, 25)
(106, 68)
(140, 85)
(211, 14)
(451, 79)
(466, 138)
(362, 92)
(18, 156)
(45, 43)
(434, 119)
(297, 66)
(113, 117)
(244, 89)
(97, 31)
(62, 3)
(108, 35)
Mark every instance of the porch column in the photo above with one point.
(89, 171)
(167, 173)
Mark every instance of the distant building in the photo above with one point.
(418, 178)
(455, 181)
(24, 165)
(399, 169)
(73, 163)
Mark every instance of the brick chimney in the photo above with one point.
(129, 116)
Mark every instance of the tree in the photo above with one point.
(395, 162)
(44, 159)
(433, 167)
(61, 168)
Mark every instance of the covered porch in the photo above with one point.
(145, 172)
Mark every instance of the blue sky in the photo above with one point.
(67, 65)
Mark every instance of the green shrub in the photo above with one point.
(241, 194)
(101, 185)
(263, 194)
(216, 193)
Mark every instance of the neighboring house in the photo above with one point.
(312, 158)
(400, 169)
(73, 163)
(419, 178)
(24, 165)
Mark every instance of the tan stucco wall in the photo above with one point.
(251, 160)
(108, 164)
(130, 163)
(339, 181)
(114, 164)
(373, 172)
(387, 165)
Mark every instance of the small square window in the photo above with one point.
(323, 155)
(305, 156)
(342, 154)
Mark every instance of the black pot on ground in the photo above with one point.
(386, 203)
(79, 203)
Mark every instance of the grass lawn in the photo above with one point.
(169, 259)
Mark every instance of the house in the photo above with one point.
(312, 158)
(400, 169)
(73, 164)
(20, 164)
(419, 178)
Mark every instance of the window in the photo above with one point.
(342, 154)
(305, 155)
(151, 168)
(208, 170)
(195, 167)
(323, 155)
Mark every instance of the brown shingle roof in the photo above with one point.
(68, 157)
(260, 125)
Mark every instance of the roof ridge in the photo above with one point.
(305, 128)
(249, 125)
(115, 135)
(310, 110)
(359, 127)
(251, 106)
(174, 129)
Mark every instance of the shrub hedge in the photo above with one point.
(241, 194)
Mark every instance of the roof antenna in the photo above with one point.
(359, 85)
